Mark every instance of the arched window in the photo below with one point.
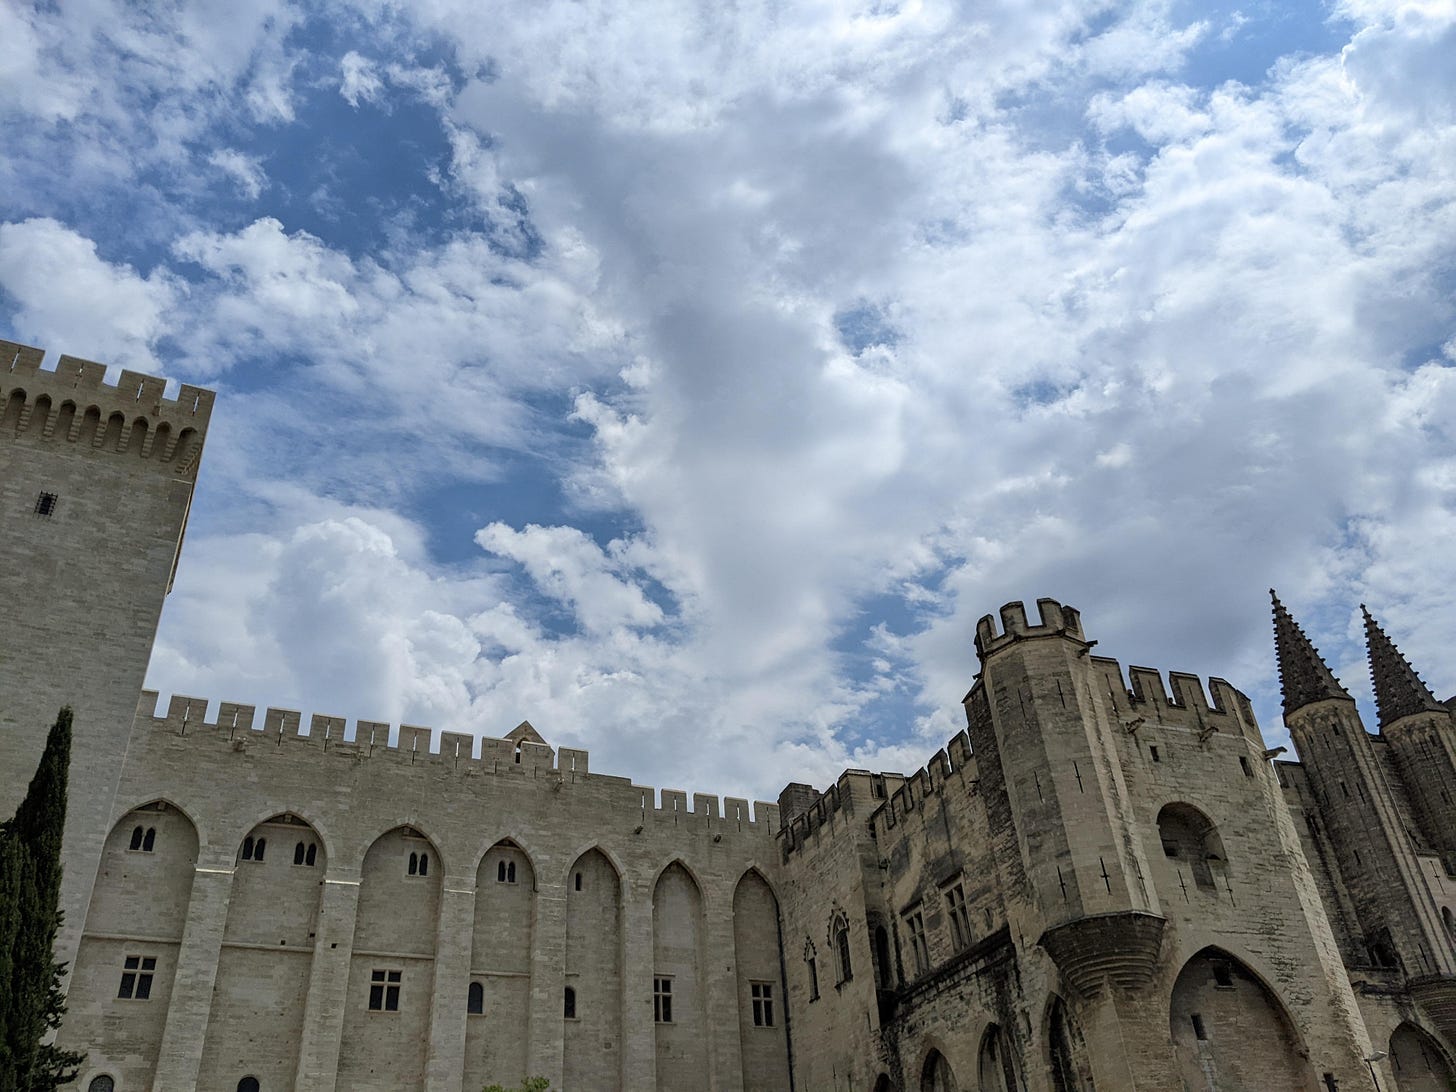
(311, 857)
(578, 887)
(569, 1005)
(102, 1083)
(424, 864)
(298, 854)
(414, 864)
(511, 872)
(518, 754)
(1190, 838)
(475, 1000)
(500, 872)
(811, 962)
(149, 840)
(248, 1084)
(259, 848)
(136, 843)
(248, 848)
(841, 950)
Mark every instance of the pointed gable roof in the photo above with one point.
(524, 733)
(1304, 677)
(1399, 691)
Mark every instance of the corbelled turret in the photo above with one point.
(1304, 677)
(1399, 691)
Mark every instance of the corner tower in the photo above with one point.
(95, 486)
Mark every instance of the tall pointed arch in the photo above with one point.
(497, 1047)
(679, 1008)
(133, 934)
(762, 1017)
(592, 1030)
(392, 968)
(267, 953)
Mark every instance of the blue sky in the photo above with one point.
(688, 379)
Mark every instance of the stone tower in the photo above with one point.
(1048, 755)
(1365, 807)
(1422, 738)
(95, 486)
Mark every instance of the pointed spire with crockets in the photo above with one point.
(1303, 675)
(1399, 691)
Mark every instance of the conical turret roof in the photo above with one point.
(1399, 691)
(1303, 675)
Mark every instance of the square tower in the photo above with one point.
(95, 486)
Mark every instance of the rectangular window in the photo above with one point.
(1244, 765)
(384, 990)
(45, 504)
(960, 917)
(916, 924)
(813, 979)
(762, 1004)
(136, 978)
(1154, 752)
(1198, 1029)
(662, 1000)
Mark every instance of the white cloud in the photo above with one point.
(245, 170)
(360, 82)
(573, 569)
(1147, 346)
(69, 299)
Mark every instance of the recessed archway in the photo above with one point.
(1230, 1030)
(1418, 1063)
(936, 1075)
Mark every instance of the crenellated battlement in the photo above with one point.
(1056, 620)
(520, 754)
(1183, 702)
(882, 800)
(75, 403)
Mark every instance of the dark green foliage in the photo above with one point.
(31, 1003)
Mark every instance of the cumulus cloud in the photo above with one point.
(68, 298)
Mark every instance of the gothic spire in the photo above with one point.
(1303, 676)
(1399, 691)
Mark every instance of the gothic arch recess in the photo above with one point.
(761, 1025)
(500, 960)
(591, 1040)
(1229, 1029)
(394, 934)
(1417, 1063)
(266, 958)
(995, 1068)
(133, 931)
(678, 960)
(1066, 1050)
(936, 1075)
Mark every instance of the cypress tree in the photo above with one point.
(30, 890)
